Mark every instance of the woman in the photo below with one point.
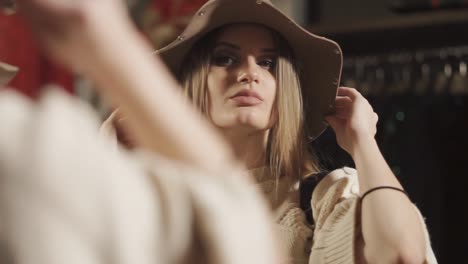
(245, 66)
(241, 74)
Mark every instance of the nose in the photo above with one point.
(248, 71)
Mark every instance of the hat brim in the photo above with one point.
(319, 59)
(7, 72)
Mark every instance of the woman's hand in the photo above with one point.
(354, 120)
(116, 126)
(71, 30)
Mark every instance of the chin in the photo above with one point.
(251, 119)
(253, 127)
(244, 127)
(251, 124)
(246, 119)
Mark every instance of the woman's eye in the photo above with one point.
(224, 60)
(268, 64)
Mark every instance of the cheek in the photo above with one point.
(216, 82)
(271, 91)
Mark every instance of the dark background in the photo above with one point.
(407, 58)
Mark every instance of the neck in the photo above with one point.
(249, 146)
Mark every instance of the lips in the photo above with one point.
(247, 98)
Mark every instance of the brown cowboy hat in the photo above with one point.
(319, 59)
(7, 72)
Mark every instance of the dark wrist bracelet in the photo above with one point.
(382, 187)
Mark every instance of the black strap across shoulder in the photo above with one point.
(306, 188)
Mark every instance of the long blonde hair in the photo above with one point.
(287, 153)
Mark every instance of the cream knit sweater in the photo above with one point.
(68, 197)
(336, 237)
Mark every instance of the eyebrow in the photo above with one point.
(232, 46)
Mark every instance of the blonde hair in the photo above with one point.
(287, 153)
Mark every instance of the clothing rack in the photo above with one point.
(441, 71)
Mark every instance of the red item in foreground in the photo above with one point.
(19, 47)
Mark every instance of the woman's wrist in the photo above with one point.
(96, 38)
(107, 55)
(373, 170)
(363, 145)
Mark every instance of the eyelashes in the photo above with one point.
(268, 64)
(227, 60)
(224, 60)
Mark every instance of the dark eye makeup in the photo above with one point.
(268, 63)
(228, 59)
(224, 59)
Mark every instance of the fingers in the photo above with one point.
(355, 98)
(349, 101)
(343, 101)
(333, 121)
(376, 117)
(349, 92)
(347, 98)
(342, 113)
(343, 107)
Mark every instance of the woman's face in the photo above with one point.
(241, 78)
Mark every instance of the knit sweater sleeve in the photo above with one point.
(336, 210)
(67, 196)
